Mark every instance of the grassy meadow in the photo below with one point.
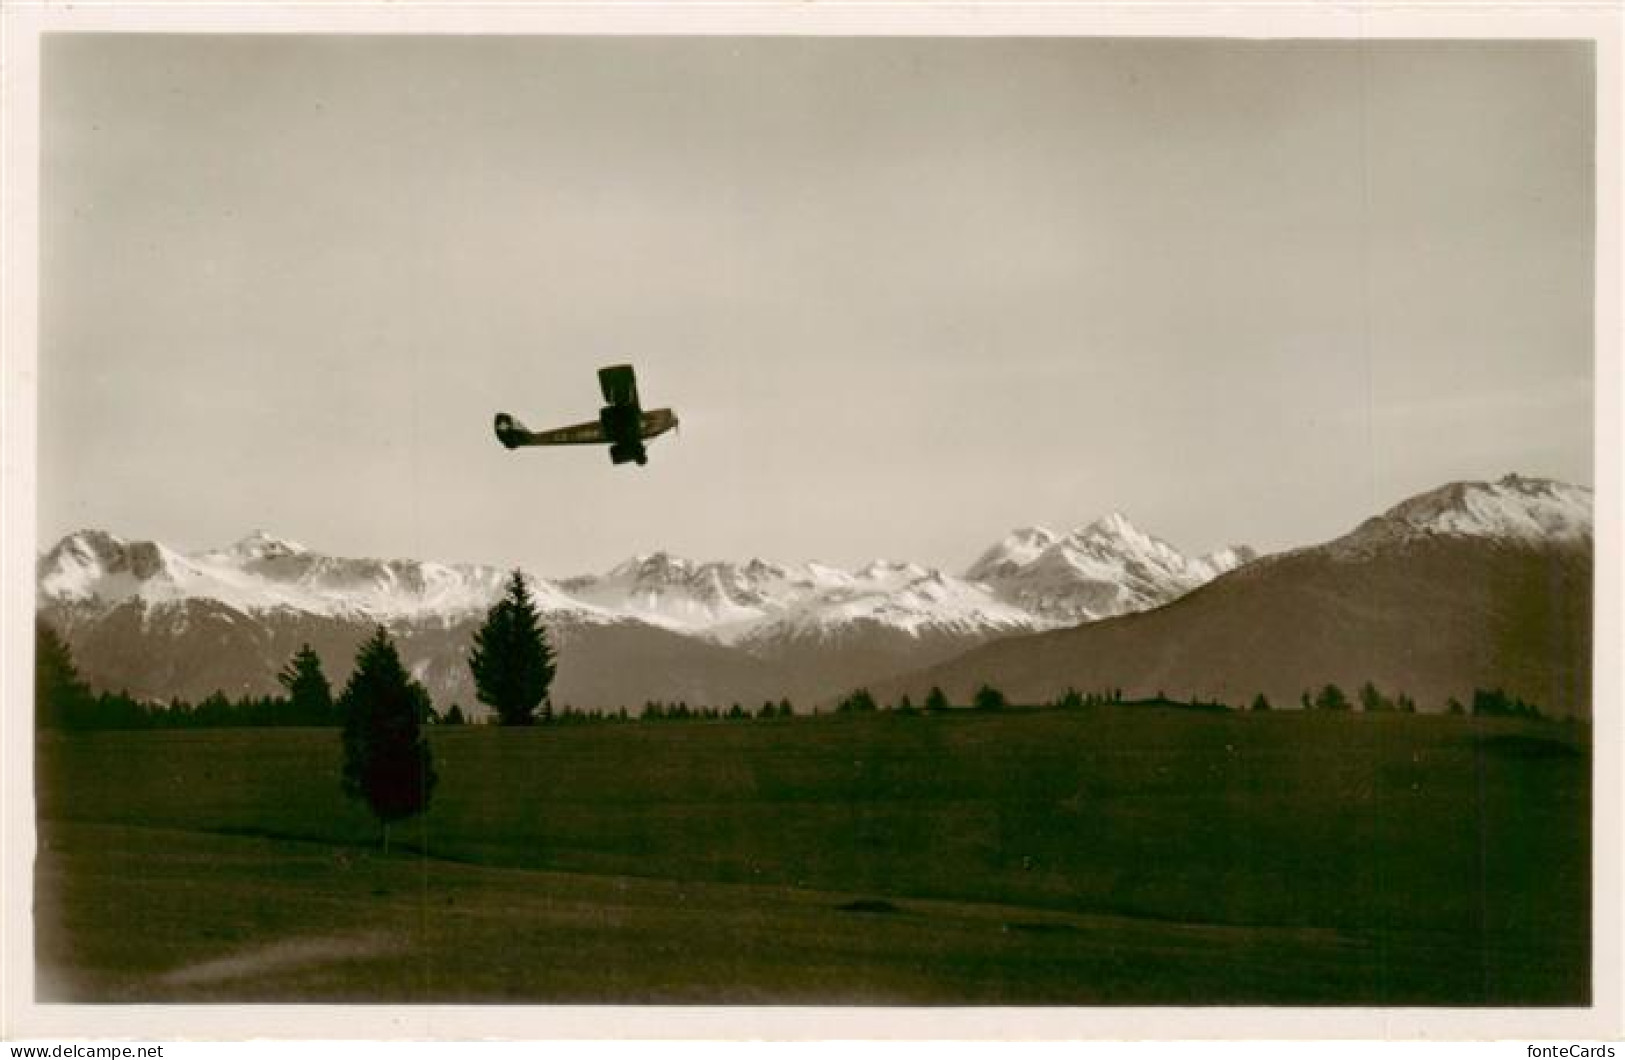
(1109, 855)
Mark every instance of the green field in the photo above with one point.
(1099, 856)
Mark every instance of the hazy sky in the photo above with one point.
(904, 294)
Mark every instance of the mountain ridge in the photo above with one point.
(807, 630)
(728, 601)
(1471, 585)
(160, 623)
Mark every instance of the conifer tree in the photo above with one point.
(1372, 699)
(1331, 698)
(857, 702)
(935, 699)
(1071, 700)
(386, 759)
(988, 698)
(512, 661)
(61, 699)
(310, 697)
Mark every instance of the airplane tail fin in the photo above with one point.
(510, 432)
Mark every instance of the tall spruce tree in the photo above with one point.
(512, 661)
(61, 698)
(1331, 698)
(857, 702)
(310, 697)
(386, 759)
(989, 698)
(1372, 699)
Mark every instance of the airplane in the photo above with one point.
(621, 423)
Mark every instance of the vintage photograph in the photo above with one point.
(727, 520)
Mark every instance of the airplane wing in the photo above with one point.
(512, 433)
(619, 384)
(657, 422)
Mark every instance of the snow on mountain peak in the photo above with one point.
(659, 567)
(1016, 550)
(903, 597)
(890, 571)
(94, 564)
(1114, 523)
(265, 573)
(1512, 509)
(758, 600)
(1114, 533)
(759, 568)
(681, 594)
(87, 548)
(74, 566)
(262, 545)
(1107, 567)
(1033, 579)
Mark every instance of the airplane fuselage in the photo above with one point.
(621, 423)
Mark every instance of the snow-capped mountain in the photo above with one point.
(261, 573)
(1109, 567)
(1034, 579)
(903, 596)
(808, 630)
(1471, 585)
(758, 601)
(158, 622)
(1513, 511)
(719, 599)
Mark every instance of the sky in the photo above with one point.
(904, 294)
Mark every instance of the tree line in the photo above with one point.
(63, 700)
(517, 694)
(381, 711)
(1329, 697)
